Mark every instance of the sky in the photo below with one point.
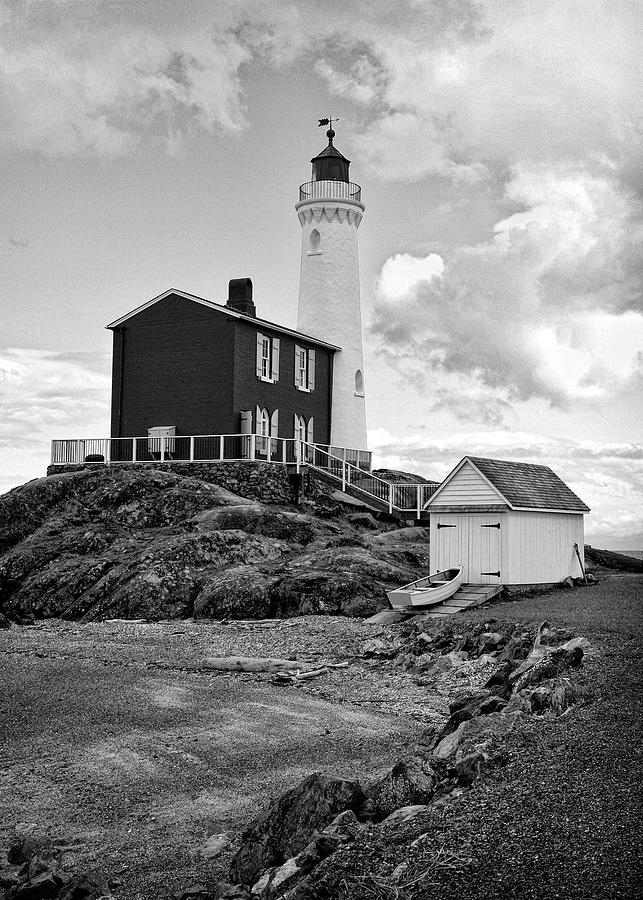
(151, 144)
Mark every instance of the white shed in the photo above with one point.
(506, 523)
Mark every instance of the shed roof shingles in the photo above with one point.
(529, 485)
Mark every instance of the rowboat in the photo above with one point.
(428, 590)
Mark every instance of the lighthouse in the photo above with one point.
(330, 211)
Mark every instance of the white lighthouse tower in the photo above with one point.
(330, 211)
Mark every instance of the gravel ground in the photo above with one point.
(564, 819)
(114, 739)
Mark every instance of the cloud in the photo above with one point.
(85, 77)
(507, 85)
(607, 476)
(403, 274)
(17, 244)
(550, 307)
(44, 395)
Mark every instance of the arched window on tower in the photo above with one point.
(359, 383)
(314, 243)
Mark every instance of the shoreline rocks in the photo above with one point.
(296, 850)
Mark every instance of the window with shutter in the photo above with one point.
(304, 369)
(267, 358)
(274, 363)
(311, 370)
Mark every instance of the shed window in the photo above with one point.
(267, 358)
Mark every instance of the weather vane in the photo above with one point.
(329, 121)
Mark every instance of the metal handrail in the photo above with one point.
(337, 190)
(355, 479)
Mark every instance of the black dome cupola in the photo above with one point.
(330, 165)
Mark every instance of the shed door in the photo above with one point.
(484, 550)
(474, 542)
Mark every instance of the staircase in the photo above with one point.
(469, 595)
(399, 499)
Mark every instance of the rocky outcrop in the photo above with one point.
(149, 543)
(608, 559)
(291, 822)
(41, 874)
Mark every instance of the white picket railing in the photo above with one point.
(350, 469)
(193, 448)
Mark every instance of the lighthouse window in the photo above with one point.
(304, 369)
(315, 242)
(359, 383)
(267, 358)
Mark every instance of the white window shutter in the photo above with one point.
(275, 360)
(259, 354)
(257, 420)
(297, 378)
(309, 431)
(274, 424)
(311, 370)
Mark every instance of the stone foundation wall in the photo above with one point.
(265, 482)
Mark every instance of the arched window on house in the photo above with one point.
(303, 432)
(262, 428)
(300, 428)
(359, 383)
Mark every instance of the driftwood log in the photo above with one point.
(251, 664)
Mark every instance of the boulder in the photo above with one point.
(362, 520)
(405, 814)
(410, 782)
(24, 847)
(290, 822)
(377, 648)
(40, 887)
(85, 886)
(490, 641)
(549, 666)
(346, 823)
(471, 707)
(215, 844)
(469, 767)
(276, 880)
(499, 684)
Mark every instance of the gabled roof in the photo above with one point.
(523, 485)
(217, 307)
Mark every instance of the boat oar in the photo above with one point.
(580, 563)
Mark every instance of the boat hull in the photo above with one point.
(426, 591)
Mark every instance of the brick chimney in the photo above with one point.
(240, 296)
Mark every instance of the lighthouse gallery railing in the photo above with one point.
(336, 190)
